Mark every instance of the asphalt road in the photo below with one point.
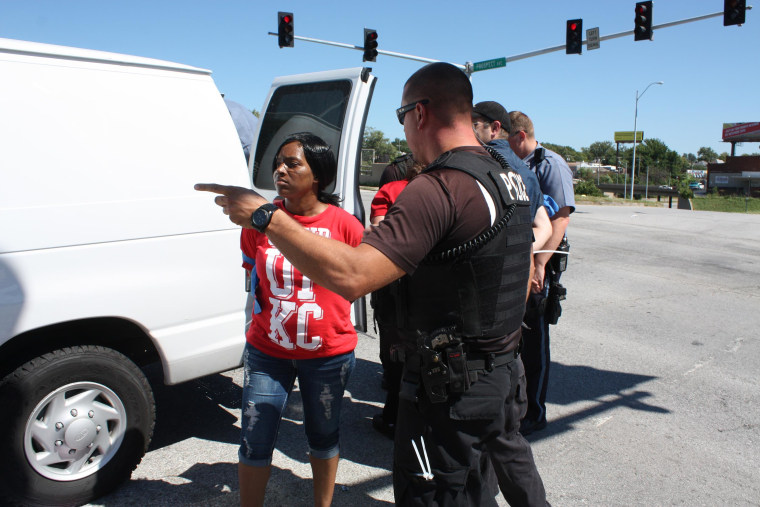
(653, 398)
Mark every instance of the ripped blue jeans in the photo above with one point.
(268, 383)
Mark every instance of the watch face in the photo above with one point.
(259, 218)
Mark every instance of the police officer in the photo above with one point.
(491, 124)
(461, 231)
(556, 181)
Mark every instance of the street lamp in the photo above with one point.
(635, 117)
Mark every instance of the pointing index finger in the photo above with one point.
(212, 187)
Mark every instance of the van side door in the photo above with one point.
(332, 105)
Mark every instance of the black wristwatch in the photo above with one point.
(261, 217)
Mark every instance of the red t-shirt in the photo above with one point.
(300, 319)
(385, 197)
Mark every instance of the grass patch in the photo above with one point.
(726, 204)
(617, 201)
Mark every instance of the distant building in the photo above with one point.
(593, 166)
(738, 176)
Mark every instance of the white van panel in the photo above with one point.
(98, 216)
(186, 291)
(64, 53)
(134, 140)
(100, 226)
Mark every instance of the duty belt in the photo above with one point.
(475, 361)
(488, 362)
(442, 377)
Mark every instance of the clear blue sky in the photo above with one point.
(710, 71)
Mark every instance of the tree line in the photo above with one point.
(664, 166)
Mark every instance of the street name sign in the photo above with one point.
(592, 38)
(489, 64)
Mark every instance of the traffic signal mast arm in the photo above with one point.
(468, 66)
(615, 36)
(379, 51)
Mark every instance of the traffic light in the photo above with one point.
(574, 37)
(733, 12)
(643, 21)
(370, 45)
(285, 29)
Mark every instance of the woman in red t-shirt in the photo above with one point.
(298, 329)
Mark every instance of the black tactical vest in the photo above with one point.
(478, 288)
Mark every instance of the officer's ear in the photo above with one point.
(495, 128)
(422, 113)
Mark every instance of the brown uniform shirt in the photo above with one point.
(440, 209)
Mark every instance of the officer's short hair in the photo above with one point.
(520, 121)
(446, 86)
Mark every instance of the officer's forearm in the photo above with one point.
(530, 278)
(542, 229)
(348, 271)
(560, 222)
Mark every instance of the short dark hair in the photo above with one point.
(321, 160)
(447, 87)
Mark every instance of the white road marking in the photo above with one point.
(699, 365)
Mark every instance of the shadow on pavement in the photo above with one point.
(609, 389)
(194, 409)
(216, 485)
(200, 485)
(198, 409)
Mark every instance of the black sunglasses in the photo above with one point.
(401, 111)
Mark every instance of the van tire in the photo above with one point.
(89, 408)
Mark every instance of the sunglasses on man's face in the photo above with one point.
(401, 111)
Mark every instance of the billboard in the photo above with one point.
(740, 132)
(627, 136)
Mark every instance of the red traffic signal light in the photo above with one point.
(643, 21)
(574, 37)
(285, 33)
(734, 12)
(370, 45)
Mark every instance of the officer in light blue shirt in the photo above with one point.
(556, 180)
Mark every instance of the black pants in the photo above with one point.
(392, 370)
(384, 304)
(536, 355)
(457, 433)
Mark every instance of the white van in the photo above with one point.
(110, 261)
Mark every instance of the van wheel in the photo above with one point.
(76, 422)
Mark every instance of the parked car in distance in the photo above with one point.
(665, 187)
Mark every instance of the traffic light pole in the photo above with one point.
(616, 36)
(467, 68)
(379, 51)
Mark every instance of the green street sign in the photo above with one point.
(489, 64)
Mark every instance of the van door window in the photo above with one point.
(319, 108)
